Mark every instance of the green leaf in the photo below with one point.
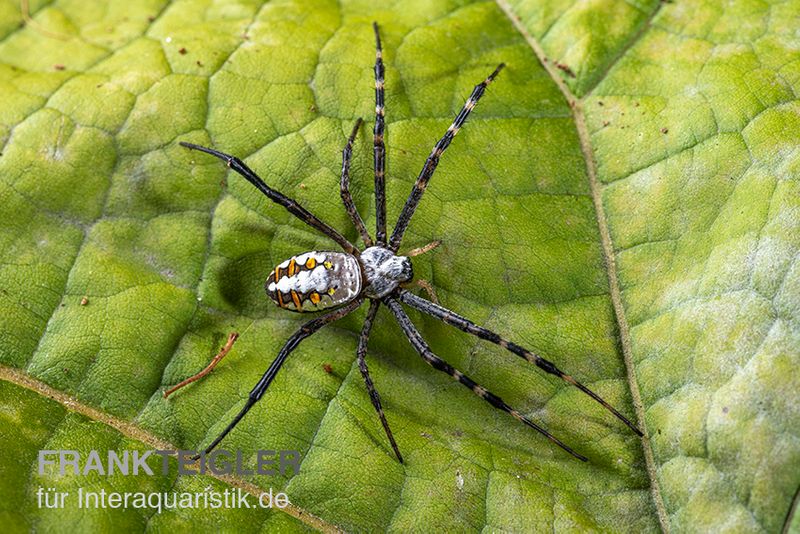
(624, 200)
(46, 425)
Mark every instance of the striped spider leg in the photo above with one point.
(437, 363)
(465, 325)
(379, 160)
(379, 150)
(433, 161)
(319, 280)
(408, 209)
(291, 205)
(362, 366)
(260, 388)
(344, 188)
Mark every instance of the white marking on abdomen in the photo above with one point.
(305, 281)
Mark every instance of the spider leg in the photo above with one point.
(379, 150)
(433, 160)
(344, 188)
(362, 366)
(291, 205)
(261, 387)
(465, 325)
(440, 365)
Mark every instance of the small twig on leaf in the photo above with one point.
(232, 337)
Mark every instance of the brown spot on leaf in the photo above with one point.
(564, 67)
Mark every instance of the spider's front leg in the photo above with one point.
(437, 363)
(433, 161)
(344, 188)
(465, 325)
(379, 150)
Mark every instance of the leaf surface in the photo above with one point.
(623, 201)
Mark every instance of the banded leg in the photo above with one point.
(379, 150)
(433, 160)
(362, 366)
(344, 188)
(279, 198)
(440, 365)
(261, 387)
(465, 325)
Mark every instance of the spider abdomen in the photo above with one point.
(314, 281)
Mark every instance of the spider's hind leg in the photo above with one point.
(362, 366)
(437, 363)
(261, 387)
(291, 205)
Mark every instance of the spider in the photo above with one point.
(320, 280)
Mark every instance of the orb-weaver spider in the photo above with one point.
(345, 280)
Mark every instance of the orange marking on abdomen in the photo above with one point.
(292, 267)
(314, 296)
(277, 273)
(279, 295)
(296, 299)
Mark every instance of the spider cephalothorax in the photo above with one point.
(316, 281)
(384, 271)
